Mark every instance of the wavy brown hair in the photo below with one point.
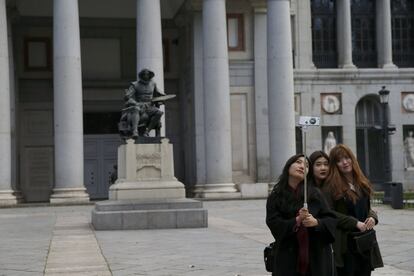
(337, 182)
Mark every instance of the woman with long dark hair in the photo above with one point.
(349, 196)
(302, 236)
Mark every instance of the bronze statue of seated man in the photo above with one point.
(141, 113)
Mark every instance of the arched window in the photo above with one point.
(368, 113)
(403, 32)
(364, 52)
(324, 33)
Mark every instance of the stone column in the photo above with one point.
(68, 111)
(11, 14)
(344, 34)
(216, 104)
(384, 36)
(7, 194)
(280, 85)
(149, 43)
(200, 139)
(260, 89)
(303, 32)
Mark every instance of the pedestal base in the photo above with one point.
(148, 214)
(69, 195)
(147, 190)
(147, 195)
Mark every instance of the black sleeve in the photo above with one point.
(279, 226)
(327, 220)
(345, 222)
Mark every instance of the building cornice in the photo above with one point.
(353, 75)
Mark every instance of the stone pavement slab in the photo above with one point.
(60, 241)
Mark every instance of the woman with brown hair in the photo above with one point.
(349, 193)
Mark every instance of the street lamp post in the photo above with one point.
(384, 94)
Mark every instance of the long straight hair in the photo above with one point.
(282, 195)
(337, 182)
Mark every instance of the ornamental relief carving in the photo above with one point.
(148, 160)
(331, 103)
(408, 102)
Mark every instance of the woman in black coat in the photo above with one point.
(349, 193)
(302, 236)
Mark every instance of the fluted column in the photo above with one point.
(67, 85)
(384, 36)
(344, 34)
(7, 194)
(216, 89)
(149, 43)
(280, 85)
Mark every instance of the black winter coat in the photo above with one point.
(281, 219)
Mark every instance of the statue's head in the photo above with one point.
(145, 74)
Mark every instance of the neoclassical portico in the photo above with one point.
(252, 87)
(69, 186)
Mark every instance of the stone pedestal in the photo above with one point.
(146, 194)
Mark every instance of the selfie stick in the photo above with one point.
(305, 180)
(304, 122)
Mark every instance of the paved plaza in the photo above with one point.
(60, 241)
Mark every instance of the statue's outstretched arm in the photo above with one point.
(157, 93)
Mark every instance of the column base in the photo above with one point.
(10, 197)
(217, 191)
(69, 195)
(389, 66)
(347, 66)
(254, 190)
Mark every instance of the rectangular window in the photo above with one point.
(235, 32)
(364, 53)
(403, 32)
(324, 34)
(37, 54)
(101, 58)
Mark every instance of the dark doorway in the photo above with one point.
(101, 141)
(370, 147)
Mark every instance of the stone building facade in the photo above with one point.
(243, 72)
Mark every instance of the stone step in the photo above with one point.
(147, 204)
(149, 214)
